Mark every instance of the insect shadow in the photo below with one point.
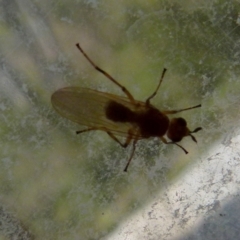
(121, 116)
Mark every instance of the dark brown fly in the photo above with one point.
(120, 116)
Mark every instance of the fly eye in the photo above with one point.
(177, 129)
(177, 138)
(180, 122)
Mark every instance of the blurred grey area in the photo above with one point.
(55, 184)
(223, 225)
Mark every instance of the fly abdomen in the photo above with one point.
(119, 113)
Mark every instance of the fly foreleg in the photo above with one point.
(166, 142)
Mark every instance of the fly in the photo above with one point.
(121, 116)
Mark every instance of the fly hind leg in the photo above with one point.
(87, 130)
(129, 95)
(110, 134)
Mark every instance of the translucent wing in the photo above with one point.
(87, 107)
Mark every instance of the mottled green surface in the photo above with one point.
(57, 185)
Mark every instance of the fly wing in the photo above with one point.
(87, 107)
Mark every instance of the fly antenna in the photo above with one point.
(194, 131)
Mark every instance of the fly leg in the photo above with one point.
(132, 153)
(166, 142)
(158, 86)
(124, 145)
(127, 142)
(129, 95)
(181, 110)
(110, 134)
(87, 130)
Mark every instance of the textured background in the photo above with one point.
(57, 185)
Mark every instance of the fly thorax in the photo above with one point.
(153, 123)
